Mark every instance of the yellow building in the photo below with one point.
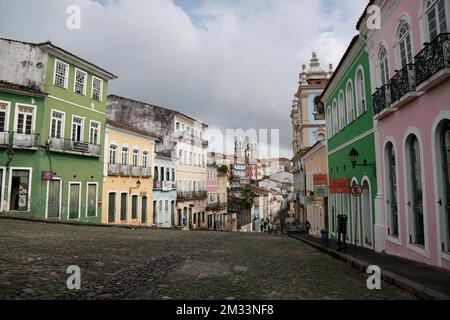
(127, 182)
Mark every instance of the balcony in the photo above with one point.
(75, 147)
(164, 185)
(217, 206)
(403, 86)
(4, 139)
(433, 63)
(382, 101)
(25, 141)
(136, 172)
(125, 170)
(191, 195)
(146, 172)
(114, 169)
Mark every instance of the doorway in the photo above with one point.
(144, 210)
(112, 208)
(367, 211)
(54, 199)
(20, 187)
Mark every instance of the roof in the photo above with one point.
(49, 45)
(349, 48)
(154, 106)
(361, 19)
(259, 191)
(17, 87)
(122, 126)
(300, 154)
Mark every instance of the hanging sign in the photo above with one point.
(320, 180)
(47, 175)
(357, 191)
(340, 186)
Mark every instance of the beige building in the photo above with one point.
(191, 172)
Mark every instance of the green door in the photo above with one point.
(144, 210)
(53, 200)
(92, 200)
(112, 208)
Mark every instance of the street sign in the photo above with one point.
(47, 175)
(340, 186)
(320, 180)
(357, 191)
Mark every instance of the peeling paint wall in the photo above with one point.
(22, 64)
(153, 120)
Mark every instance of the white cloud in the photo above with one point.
(230, 64)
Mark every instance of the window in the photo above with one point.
(125, 156)
(25, 120)
(160, 206)
(20, 190)
(94, 133)
(167, 174)
(335, 118)
(162, 174)
(145, 159)
(329, 123)
(113, 154)
(360, 93)
(61, 74)
(3, 117)
(436, 18)
(391, 190)
(135, 158)
(350, 103)
(74, 200)
(383, 66)
(342, 113)
(404, 44)
(190, 158)
(91, 205)
(80, 82)
(123, 207)
(97, 89)
(415, 202)
(180, 156)
(156, 174)
(166, 206)
(77, 129)
(57, 125)
(173, 174)
(134, 207)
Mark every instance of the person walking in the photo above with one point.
(308, 227)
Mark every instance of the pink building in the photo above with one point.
(410, 70)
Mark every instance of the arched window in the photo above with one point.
(145, 159)
(383, 65)
(436, 18)
(125, 156)
(404, 44)
(415, 199)
(135, 157)
(360, 93)
(335, 118)
(342, 112)
(112, 154)
(391, 190)
(329, 123)
(350, 103)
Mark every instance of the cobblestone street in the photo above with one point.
(157, 264)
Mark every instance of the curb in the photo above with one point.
(392, 278)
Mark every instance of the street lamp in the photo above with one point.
(138, 186)
(10, 154)
(354, 157)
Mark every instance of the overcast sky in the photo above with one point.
(229, 63)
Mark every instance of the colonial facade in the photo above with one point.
(349, 114)
(127, 183)
(410, 70)
(52, 113)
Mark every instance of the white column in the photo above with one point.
(380, 217)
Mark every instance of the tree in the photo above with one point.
(247, 202)
(223, 169)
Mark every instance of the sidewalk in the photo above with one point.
(424, 281)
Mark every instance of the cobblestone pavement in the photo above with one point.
(162, 264)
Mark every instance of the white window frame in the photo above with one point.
(358, 99)
(2, 192)
(96, 199)
(137, 207)
(342, 111)
(145, 159)
(75, 81)
(335, 117)
(117, 154)
(30, 170)
(82, 127)
(71, 183)
(121, 155)
(16, 116)
(133, 157)
(101, 89)
(8, 113)
(66, 77)
(352, 109)
(403, 20)
(424, 19)
(99, 131)
(60, 198)
(63, 125)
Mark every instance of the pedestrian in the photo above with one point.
(307, 226)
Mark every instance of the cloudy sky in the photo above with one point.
(229, 63)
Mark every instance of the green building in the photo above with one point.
(351, 146)
(52, 122)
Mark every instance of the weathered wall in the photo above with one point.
(22, 63)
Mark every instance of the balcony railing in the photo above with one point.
(433, 58)
(25, 140)
(125, 170)
(72, 146)
(164, 185)
(382, 99)
(128, 171)
(403, 82)
(136, 171)
(217, 205)
(4, 139)
(146, 172)
(187, 195)
(114, 169)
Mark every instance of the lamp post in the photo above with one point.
(354, 157)
(10, 154)
(138, 186)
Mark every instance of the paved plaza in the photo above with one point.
(118, 263)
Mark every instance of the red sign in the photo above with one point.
(47, 175)
(340, 186)
(357, 191)
(320, 180)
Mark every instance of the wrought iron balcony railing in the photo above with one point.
(146, 172)
(403, 82)
(72, 146)
(125, 170)
(164, 185)
(4, 139)
(25, 140)
(381, 99)
(187, 195)
(217, 205)
(113, 169)
(136, 171)
(433, 58)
